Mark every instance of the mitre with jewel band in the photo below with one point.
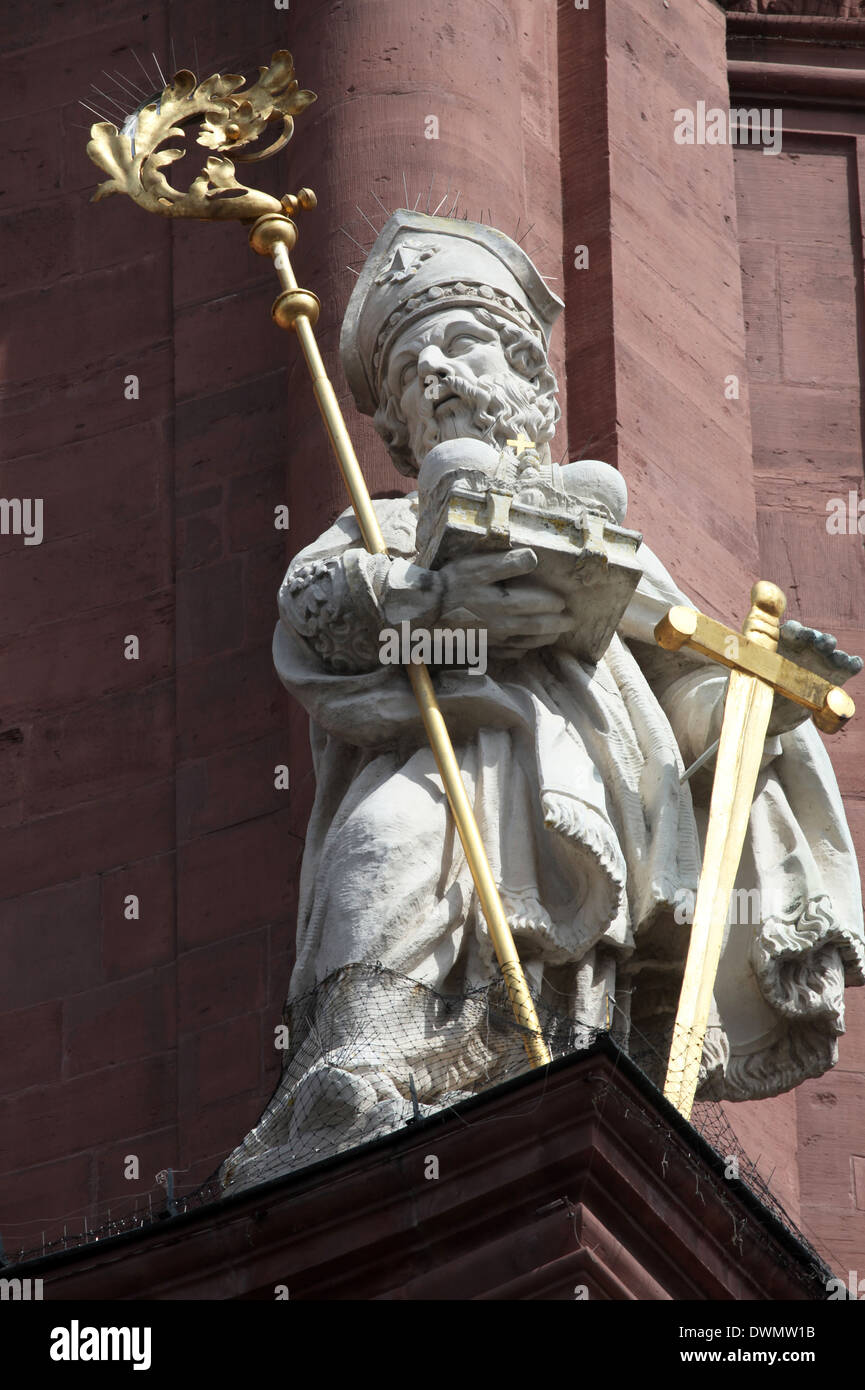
(420, 264)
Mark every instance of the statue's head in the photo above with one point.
(464, 373)
(446, 337)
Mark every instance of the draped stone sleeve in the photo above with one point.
(325, 646)
(338, 597)
(333, 604)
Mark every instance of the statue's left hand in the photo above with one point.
(817, 652)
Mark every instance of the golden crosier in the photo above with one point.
(230, 120)
(134, 162)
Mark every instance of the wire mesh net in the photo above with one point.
(369, 1052)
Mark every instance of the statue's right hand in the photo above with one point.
(479, 591)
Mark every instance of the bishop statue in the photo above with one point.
(574, 738)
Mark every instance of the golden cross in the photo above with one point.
(757, 673)
(521, 443)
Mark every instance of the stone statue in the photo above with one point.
(572, 741)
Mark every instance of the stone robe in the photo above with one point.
(573, 772)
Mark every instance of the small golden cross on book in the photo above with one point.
(521, 443)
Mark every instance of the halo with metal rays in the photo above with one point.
(364, 250)
(485, 214)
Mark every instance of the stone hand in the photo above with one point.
(492, 592)
(818, 652)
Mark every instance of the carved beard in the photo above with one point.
(488, 408)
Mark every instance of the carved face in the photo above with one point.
(451, 375)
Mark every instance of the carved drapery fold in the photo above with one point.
(334, 605)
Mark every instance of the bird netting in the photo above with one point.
(370, 1052)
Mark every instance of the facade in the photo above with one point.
(709, 348)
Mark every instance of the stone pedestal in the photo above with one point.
(576, 1182)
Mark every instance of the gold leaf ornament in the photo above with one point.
(230, 120)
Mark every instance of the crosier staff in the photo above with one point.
(231, 119)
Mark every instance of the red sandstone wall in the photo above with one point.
(801, 228)
(654, 326)
(156, 777)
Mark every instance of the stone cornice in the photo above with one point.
(581, 1175)
(833, 10)
(796, 84)
(755, 37)
(804, 28)
(810, 21)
